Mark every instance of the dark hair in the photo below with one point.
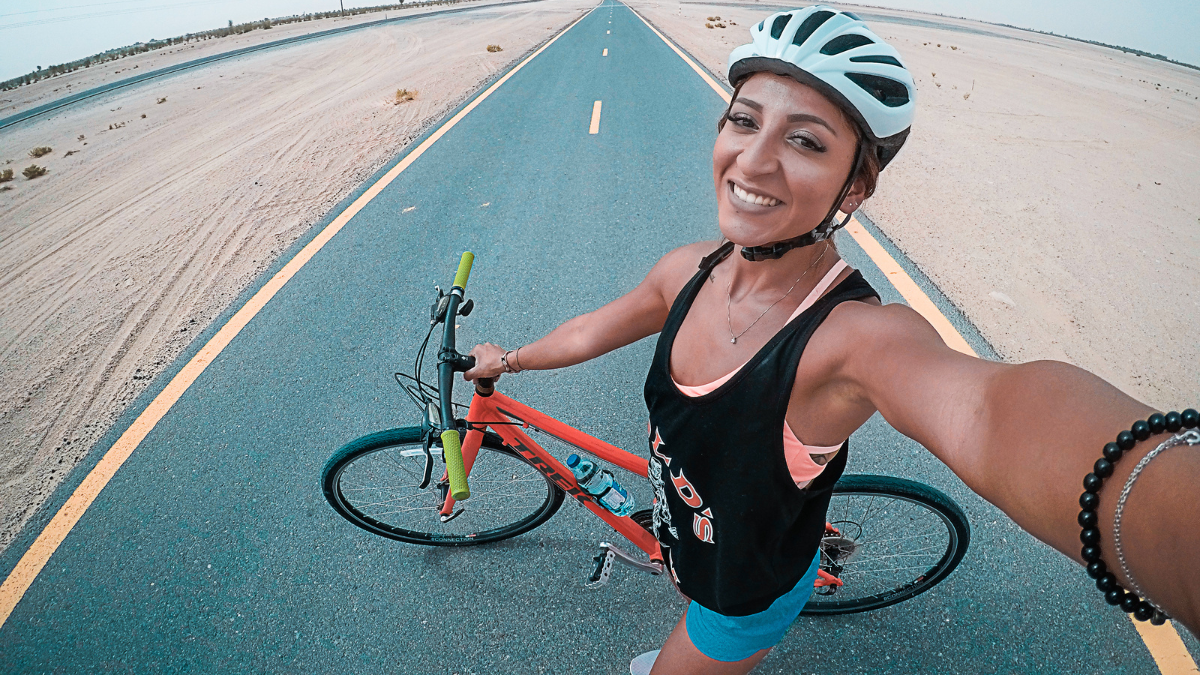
(868, 172)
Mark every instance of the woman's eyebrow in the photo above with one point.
(794, 117)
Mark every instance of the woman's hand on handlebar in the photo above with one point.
(487, 362)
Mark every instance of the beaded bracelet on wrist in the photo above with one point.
(1106, 581)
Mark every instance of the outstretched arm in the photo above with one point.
(635, 315)
(1024, 436)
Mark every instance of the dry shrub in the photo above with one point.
(720, 25)
(732, 23)
(162, 100)
(708, 25)
(70, 152)
(710, 18)
(80, 137)
(33, 171)
(966, 95)
(716, 18)
(6, 175)
(40, 151)
(953, 47)
(143, 115)
(404, 95)
(495, 48)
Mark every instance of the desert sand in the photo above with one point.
(164, 212)
(1050, 188)
(23, 98)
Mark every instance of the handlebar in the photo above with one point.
(450, 361)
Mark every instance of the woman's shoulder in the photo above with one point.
(866, 328)
(677, 267)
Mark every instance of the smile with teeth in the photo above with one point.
(751, 198)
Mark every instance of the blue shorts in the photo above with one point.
(734, 638)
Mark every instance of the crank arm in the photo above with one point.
(654, 568)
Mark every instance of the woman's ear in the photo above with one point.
(854, 198)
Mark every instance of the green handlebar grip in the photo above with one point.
(464, 269)
(454, 463)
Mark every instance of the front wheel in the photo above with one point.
(888, 540)
(374, 483)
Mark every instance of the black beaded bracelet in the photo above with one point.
(1106, 581)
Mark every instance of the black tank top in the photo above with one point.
(736, 531)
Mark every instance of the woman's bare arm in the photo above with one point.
(635, 315)
(1024, 436)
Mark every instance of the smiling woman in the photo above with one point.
(767, 361)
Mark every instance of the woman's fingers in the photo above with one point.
(487, 362)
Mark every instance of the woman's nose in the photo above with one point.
(758, 157)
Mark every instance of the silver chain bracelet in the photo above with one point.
(1189, 437)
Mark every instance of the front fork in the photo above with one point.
(470, 448)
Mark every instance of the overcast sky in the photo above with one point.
(44, 32)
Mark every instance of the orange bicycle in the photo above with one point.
(887, 539)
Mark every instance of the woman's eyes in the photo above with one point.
(809, 142)
(743, 120)
(805, 140)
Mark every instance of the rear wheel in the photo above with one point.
(374, 483)
(894, 539)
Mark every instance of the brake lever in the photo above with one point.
(426, 445)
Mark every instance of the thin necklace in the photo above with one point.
(729, 299)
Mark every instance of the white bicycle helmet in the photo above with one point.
(835, 53)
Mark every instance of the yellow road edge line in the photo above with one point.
(1165, 646)
(595, 126)
(31, 564)
(699, 71)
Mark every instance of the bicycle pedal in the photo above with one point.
(603, 571)
(452, 516)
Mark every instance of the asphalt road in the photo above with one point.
(212, 549)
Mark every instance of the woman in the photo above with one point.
(770, 358)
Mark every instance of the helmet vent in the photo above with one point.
(877, 58)
(811, 24)
(844, 43)
(852, 16)
(760, 25)
(778, 25)
(889, 92)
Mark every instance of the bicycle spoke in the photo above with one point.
(383, 487)
(887, 543)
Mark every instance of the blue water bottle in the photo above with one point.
(600, 484)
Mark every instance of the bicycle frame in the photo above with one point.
(506, 417)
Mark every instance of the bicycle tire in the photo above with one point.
(910, 500)
(493, 457)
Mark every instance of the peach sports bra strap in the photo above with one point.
(819, 289)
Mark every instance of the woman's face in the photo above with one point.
(780, 161)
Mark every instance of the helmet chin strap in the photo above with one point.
(820, 233)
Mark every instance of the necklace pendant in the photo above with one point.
(733, 340)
